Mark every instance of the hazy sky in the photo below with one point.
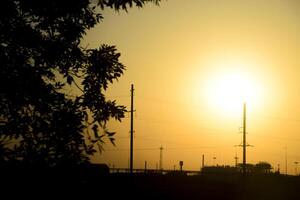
(188, 61)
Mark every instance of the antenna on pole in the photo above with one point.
(131, 130)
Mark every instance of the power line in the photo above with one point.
(175, 148)
(278, 138)
(136, 149)
(159, 121)
(277, 117)
(118, 96)
(167, 101)
(181, 144)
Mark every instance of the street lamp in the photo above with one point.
(214, 160)
(296, 163)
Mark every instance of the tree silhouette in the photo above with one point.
(41, 59)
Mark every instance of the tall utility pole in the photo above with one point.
(161, 158)
(131, 131)
(244, 140)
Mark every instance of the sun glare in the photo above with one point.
(228, 90)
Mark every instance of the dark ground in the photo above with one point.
(67, 184)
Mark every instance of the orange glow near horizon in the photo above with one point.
(193, 64)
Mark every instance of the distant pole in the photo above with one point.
(244, 140)
(202, 161)
(286, 160)
(236, 160)
(296, 163)
(161, 158)
(145, 166)
(214, 159)
(180, 164)
(131, 131)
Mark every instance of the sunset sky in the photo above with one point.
(193, 63)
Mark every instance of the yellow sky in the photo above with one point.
(174, 53)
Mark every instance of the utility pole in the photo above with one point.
(202, 161)
(244, 143)
(244, 139)
(145, 166)
(161, 158)
(214, 158)
(236, 160)
(286, 160)
(181, 164)
(296, 163)
(131, 131)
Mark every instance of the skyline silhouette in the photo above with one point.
(188, 62)
(193, 100)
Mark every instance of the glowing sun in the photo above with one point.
(230, 89)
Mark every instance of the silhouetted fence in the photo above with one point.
(155, 171)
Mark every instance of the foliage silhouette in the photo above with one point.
(41, 59)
